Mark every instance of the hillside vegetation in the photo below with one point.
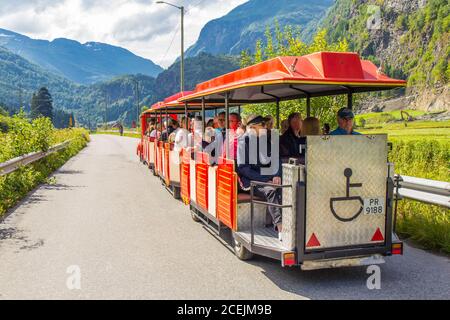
(411, 40)
(239, 29)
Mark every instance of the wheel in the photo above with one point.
(241, 252)
(195, 217)
(176, 193)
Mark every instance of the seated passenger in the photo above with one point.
(284, 126)
(249, 172)
(176, 128)
(235, 122)
(291, 140)
(156, 131)
(311, 127)
(345, 118)
(181, 137)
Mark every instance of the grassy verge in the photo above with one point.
(426, 224)
(126, 134)
(421, 149)
(22, 137)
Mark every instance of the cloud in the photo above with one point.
(141, 26)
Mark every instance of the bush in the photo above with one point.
(24, 137)
(427, 224)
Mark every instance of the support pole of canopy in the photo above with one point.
(203, 117)
(308, 105)
(308, 99)
(277, 107)
(350, 98)
(278, 114)
(186, 119)
(227, 125)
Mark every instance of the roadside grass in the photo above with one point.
(126, 134)
(24, 137)
(422, 149)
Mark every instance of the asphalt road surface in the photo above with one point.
(107, 222)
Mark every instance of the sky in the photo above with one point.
(147, 29)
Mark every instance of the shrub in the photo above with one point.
(427, 224)
(24, 137)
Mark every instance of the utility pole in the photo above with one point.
(106, 109)
(138, 101)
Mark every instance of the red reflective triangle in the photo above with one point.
(313, 242)
(378, 236)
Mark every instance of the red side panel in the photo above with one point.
(226, 193)
(202, 181)
(185, 177)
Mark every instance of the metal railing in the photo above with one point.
(14, 164)
(423, 190)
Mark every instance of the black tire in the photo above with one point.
(241, 252)
(176, 193)
(195, 217)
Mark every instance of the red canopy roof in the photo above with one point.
(285, 78)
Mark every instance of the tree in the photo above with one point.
(42, 104)
(288, 42)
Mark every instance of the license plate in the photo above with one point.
(374, 206)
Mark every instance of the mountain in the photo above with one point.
(19, 79)
(409, 38)
(197, 69)
(242, 27)
(82, 63)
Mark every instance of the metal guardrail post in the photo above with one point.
(14, 164)
(423, 190)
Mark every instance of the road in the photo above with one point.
(109, 217)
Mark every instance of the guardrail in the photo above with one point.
(14, 164)
(423, 190)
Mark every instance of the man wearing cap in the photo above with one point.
(249, 172)
(345, 121)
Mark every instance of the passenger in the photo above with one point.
(235, 121)
(345, 118)
(270, 123)
(156, 133)
(284, 126)
(252, 172)
(181, 137)
(176, 128)
(210, 123)
(291, 140)
(221, 123)
(311, 127)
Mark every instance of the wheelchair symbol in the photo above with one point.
(348, 174)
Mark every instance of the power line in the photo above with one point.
(171, 43)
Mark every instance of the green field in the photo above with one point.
(416, 130)
(420, 149)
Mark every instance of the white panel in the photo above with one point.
(212, 179)
(290, 177)
(244, 216)
(328, 158)
(193, 181)
(163, 161)
(152, 152)
(174, 166)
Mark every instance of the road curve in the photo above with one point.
(108, 216)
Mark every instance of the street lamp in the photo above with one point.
(182, 40)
